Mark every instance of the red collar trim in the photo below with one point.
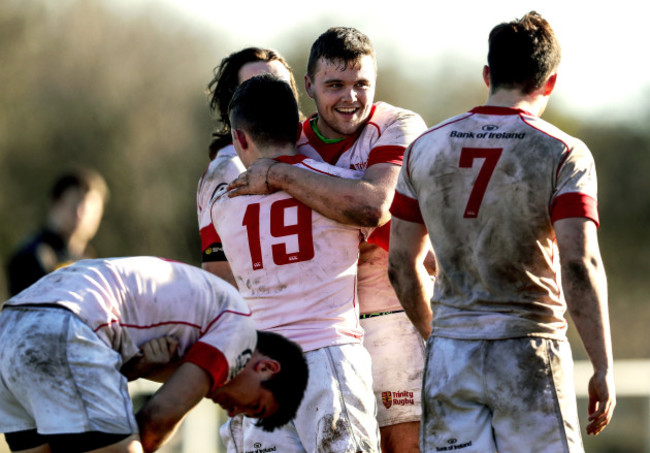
(331, 152)
(295, 159)
(493, 110)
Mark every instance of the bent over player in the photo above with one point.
(352, 132)
(297, 271)
(509, 204)
(67, 342)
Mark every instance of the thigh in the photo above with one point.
(65, 378)
(339, 411)
(397, 352)
(532, 396)
(455, 416)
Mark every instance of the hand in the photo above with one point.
(159, 351)
(155, 355)
(254, 181)
(602, 400)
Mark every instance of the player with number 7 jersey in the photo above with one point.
(478, 181)
(281, 250)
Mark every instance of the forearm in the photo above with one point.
(348, 201)
(154, 432)
(413, 288)
(163, 412)
(221, 269)
(585, 287)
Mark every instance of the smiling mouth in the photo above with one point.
(347, 110)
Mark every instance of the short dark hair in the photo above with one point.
(289, 384)
(345, 45)
(265, 108)
(225, 82)
(523, 53)
(83, 178)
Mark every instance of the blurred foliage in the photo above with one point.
(126, 95)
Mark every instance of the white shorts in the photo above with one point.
(57, 376)
(337, 414)
(397, 352)
(514, 396)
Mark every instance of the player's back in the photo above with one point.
(294, 267)
(486, 182)
(128, 301)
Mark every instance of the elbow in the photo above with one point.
(374, 217)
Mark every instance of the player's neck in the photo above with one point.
(533, 103)
(272, 152)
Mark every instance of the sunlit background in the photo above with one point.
(120, 85)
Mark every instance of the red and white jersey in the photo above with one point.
(225, 167)
(295, 268)
(488, 185)
(382, 140)
(129, 301)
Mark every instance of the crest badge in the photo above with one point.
(387, 399)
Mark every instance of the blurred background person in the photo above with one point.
(75, 210)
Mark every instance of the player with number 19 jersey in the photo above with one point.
(281, 250)
(484, 183)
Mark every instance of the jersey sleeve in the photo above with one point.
(394, 139)
(226, 346)
(576, 186)
(223, 169)
(405, 205)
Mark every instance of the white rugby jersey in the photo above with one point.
(294, 267)
(382, 140)
(488, 185)
(225, 167)
(129, 301)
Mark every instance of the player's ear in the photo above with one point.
(550, 84)
(309, 86)
(240, 136)
(267, 367)
(486, 75)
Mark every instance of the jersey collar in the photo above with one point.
(331, 152)
(494, 110)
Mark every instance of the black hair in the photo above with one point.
(289, 384)
(345, 45)
(83, 178)
(225, 82)
(522, 53)
(266, 109)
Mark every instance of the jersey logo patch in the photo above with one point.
(387, 399)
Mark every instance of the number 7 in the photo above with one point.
(467, 156)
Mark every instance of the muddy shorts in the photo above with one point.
(397, 352)
(57, 376)
(337, 414)
(514, 396)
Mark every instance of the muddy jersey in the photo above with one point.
(129, 301)
(294, 267)
(382, 140)
(225, 167)
(488, 185)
